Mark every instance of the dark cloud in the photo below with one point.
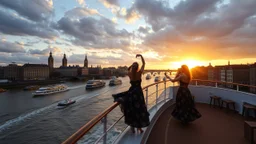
(36, 10)
(92, 32)
(9, 47)
(144, 30)
(14, 25)
(46, 51)
(195, 27)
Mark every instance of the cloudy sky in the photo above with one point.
(111, 32)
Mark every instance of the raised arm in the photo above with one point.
(177, 78)
(143, 62)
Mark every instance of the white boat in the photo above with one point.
(92, 84)
(115, 81)
(157, 79)
(66, 102)
(51, 90)
(148, 76)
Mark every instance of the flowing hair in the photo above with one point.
(186, 71)
(134, 70)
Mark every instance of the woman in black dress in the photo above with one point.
(184, 110)
(133, 102)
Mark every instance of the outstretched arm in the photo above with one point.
(143, 62)
(177, 78)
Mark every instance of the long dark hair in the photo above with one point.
(186, 71)
(135, 67)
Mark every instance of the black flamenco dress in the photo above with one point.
(185, 110)
(133, 105)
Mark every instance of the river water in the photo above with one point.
(33, 120)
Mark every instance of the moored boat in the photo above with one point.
(50, 90)
(66, 102)
(115, 81)
(92, 84)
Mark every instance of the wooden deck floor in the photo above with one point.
(214, 127)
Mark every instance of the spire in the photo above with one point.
(50, 61)
(64, 61)
(85, 61)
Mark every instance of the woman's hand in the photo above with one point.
(138, 55)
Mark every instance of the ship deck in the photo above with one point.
(216, 126)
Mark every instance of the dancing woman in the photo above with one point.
(184, 110)
(133, 102)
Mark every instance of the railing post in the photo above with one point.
(156, 92)
(165, 91)
(237, 87)
(105, 129)
(196, 82)
(216, 84)
(147, 97)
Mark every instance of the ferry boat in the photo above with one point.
(115, 81)
(148, 76)
(50, 90)
(66, 102)
(157, 79)
(229, 125)
(92, 84)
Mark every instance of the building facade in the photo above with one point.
(200, 72)
(253, 77)
(35, 72)
(72, 71)
(1, 72)
(95, 70)
(12, 72)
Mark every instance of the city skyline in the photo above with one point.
(167, 33)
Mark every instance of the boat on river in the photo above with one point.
(115, 81)
(93, 84)
(51, 90)
(66, 102)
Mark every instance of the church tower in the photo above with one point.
(50, 61)
(64, 61)
(85, 62)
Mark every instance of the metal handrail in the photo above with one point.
(88, 126)
(221, 82)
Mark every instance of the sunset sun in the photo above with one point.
(191, 63)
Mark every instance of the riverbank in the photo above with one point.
(22, 84)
